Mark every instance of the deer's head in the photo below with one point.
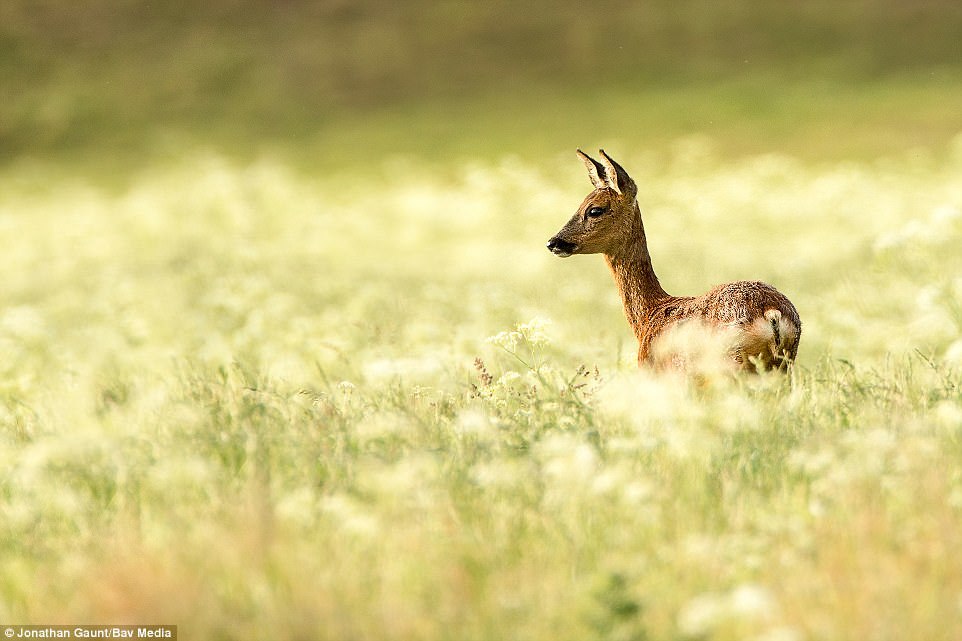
(607, 218)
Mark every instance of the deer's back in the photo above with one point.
(740, 306)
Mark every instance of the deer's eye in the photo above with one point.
(594, 212)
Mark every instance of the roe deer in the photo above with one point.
(758, 325)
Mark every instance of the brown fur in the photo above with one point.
(760, 326)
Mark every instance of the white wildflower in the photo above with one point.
(23, 322)
(701, 614)
(298, 506)
(505, 340)
(386, 369)
(501, 474)
(780, 633)
(473, 422)
(953, 354)
(752, 601)
(948, 414)
(534, 331)
(350, 516)
(745, 603)
(568, 462)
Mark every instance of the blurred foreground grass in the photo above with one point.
(262, 404)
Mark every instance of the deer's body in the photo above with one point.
(755, 325)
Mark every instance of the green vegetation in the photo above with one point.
(341, 81)
(284, 356)
(258, 405)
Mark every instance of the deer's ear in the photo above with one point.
(618, 178)
(596, 171)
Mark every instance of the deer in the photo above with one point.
(753, 326)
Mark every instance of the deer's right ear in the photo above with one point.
(596, 171)
(619, 180)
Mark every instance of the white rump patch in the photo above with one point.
(696, 346)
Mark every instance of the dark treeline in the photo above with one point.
(71, 72)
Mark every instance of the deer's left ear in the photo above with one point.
(596, 171)
(618, 178)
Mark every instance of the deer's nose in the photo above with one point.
(561, 247)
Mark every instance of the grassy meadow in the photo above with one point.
(317, 377)
(257, 403)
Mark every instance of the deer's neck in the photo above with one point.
(634, 276)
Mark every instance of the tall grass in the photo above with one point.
(259, 404)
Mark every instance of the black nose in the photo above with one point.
(558, 246)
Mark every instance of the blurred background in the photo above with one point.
(338, 82)
(253, 252)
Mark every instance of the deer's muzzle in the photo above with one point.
(560, 247)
